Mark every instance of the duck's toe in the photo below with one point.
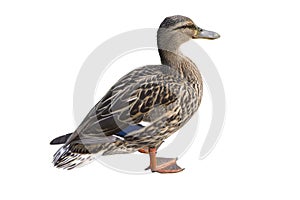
(166, 165)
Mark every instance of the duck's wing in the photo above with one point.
(132, 101)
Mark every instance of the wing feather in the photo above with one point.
(130, 101)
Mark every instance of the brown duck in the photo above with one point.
(144, 107)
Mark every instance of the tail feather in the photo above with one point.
(61, 139)
(66, 159)
(77, 153)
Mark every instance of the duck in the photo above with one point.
(144, 107)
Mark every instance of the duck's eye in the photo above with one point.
(189, 26)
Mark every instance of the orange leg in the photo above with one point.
(146, 149)
(143, 150)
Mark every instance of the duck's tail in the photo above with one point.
(66, 159)
(77, 152)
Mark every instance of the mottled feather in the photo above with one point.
(165, 96)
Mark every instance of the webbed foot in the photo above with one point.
(162, 165)
(166, 165)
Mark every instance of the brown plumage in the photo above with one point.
(163, 96)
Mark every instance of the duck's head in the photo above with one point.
(178, 29)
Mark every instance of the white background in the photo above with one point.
(43, 45)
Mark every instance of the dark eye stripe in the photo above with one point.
(192, 26)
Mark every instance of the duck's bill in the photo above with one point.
(205, 34)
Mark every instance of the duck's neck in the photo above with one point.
(182, 64)
(172, 58)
